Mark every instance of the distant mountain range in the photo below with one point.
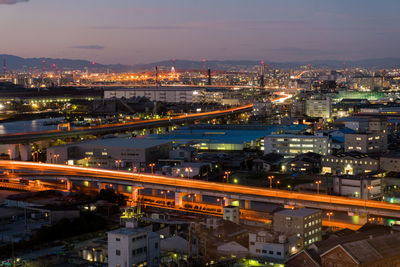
(19, 63)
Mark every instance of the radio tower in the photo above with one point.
(262, 74)
(204, 64)
(43, 66)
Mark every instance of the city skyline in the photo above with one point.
(134, 32)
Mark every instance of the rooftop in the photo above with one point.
(297, 212)
(126, 142)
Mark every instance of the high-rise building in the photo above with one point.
(319, 108)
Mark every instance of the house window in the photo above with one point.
(118, 252)
(156, 245)
(118, 239)
(271, 252)
(279, 253)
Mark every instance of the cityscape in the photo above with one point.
(213, 133)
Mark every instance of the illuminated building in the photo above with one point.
(319, 108)
(365, 142)
(350, 163)
(305, 223)
(133, 247)
(162, 94)
(358, 187)
(291, 145)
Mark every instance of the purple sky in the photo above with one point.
(135, 31)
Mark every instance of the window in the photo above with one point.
(271, 252)
(264, 251)
(279, 253)
(252, 243)
(156, 245)
(258, 251)
(117, 239)
(133, 252)
(118, 252)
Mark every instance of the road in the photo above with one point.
(206, 188)
(16, 138)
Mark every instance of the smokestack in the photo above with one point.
(209, 76)
(156, 75)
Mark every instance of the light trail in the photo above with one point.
(220, 188)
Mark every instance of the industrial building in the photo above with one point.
(291, 145)
(162, 94)
(111, 152)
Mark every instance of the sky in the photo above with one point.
(136, 31)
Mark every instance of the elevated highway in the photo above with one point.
(182, 187)
(27, 137)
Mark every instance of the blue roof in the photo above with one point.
(232, 135)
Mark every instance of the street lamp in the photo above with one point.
(278, 183)
(270, 181)
(151, 165)
(56, 157)
(369, 190)
(118, 162)
(318, 183)
(188, 170)
(227, 176)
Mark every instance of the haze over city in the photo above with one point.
(132, 32)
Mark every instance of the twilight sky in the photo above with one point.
(142, 31)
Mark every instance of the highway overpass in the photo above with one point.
(182, 187)
(17, 138)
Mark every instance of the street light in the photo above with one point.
(227, 176)
(118, 162)
(56, 157)
(278, 183)
(369, 190)
(151, 165)
(318, 183)
(270, 181)
(188, 170)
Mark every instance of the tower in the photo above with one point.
(262, 74)
(156, 78)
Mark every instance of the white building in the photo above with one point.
(133, 247)
(231, 213)
(264, 244)
(357, 187)
(365, 142)
(162, 94)
(305, 223)
(319, 108)
(111, 152)
(292, 145)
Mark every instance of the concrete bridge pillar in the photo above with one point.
(198, 198)
(247, 204)
(69, 185)
(179, 199)
(25, 152)
(227, 201)
(154, 192)
(135, 194)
